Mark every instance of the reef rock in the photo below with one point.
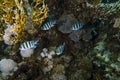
(67, 20)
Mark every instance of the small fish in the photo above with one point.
(28, 45)
(77, 26)
(60, 49)
(48, 25)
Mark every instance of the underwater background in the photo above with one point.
(59, 39)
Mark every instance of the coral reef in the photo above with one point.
(40, 14)
(59, 39)
(15, 16)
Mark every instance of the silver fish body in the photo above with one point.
(60, 49)
(48, 25)
(77, 26)
(28, 45)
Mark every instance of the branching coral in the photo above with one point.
(5, 14)
(8, 17)
(17, 19)
(40, 14)
(109, 9)
(7, 3)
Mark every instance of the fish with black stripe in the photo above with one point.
(48, 25)
(28, 45)
(77, 26)
(60, 49)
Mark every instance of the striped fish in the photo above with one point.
(77, 26)
(28, 45)
(60, 49)
(48, 25)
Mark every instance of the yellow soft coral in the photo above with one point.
(8, 17)
(38, 2)
(14, 33)
(6, 14)
(15, 20)
(20, 19)
(41, 14)
(7, 3)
